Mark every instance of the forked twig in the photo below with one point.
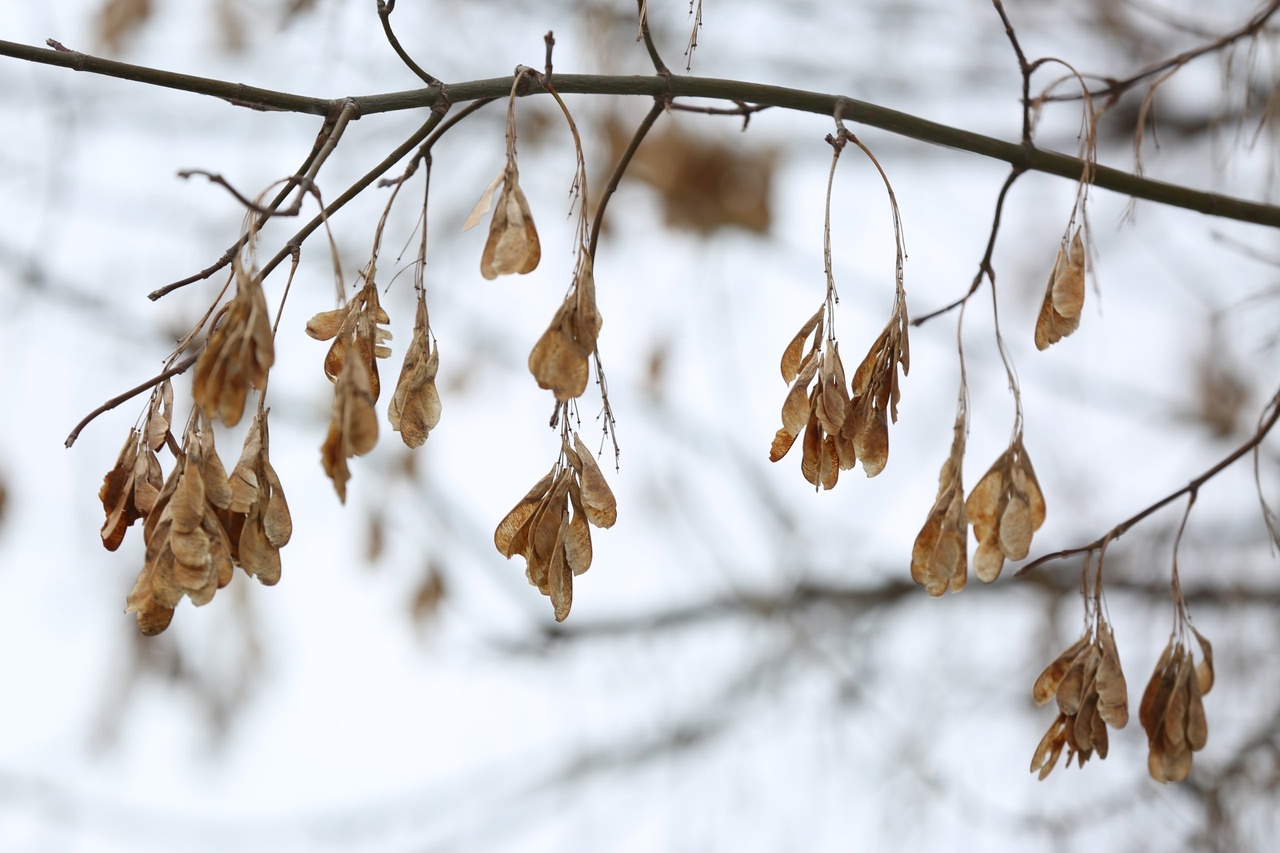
(385, 8)
(178, 368)
(1271, 416)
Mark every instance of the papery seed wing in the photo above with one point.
(1046, 686)
(187, 504)
(782, 442)
(327, 324)
(1050, 747)
(1046, 331)
(597, 497)
(505, 538)
(1204, 669)
(555, 363)
(871, 436)
(1015, 527)
(1068, 286)
(559, 574)
(277, 523)
(792, 354)
(983, 504)
(1148, 712)
(484, 204)
(577, 537)
(1197, 725)
(988, 560)
(797, 409)
(1113, 694)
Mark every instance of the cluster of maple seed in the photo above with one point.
(842, 423)
(199, 523)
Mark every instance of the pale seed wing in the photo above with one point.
(1113, 694)
(577, 538)
(504, 538)
(871, 440)
(327, 324)
(1046, 332)
(1204, 669)
(187, 504)
(1046, 686)
(1024, 477)
(1148, 714)
(555, 363)
(792, 354)
(277, 523)
(484, 204)
(983, 504)
(1015, 527)
(796, 409)
(782, 442)
(597, 497)
(1197, 725)
(559, 574)
(988, 561)
(1068, 285)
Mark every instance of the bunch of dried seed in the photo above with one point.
(238, 354)
(355, 328)
(1063, 296)
(556, 543)
(1006, 507)
(559, 360)
(1090, 689)
(257, 520)
(415, 406)
(1172, 709)
(940, 556)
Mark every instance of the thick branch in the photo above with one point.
(734, 91)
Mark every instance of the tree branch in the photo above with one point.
(733, 91)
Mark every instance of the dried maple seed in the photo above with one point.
(512, 246)
(1089, 688)
(188, 552)
(1172, 709)
(238, 354)
(353, 426)
(549, 527)
(1064, 295)
(1006, 507)
(415, 406)
(939, 557)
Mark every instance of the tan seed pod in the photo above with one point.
(1046, 685)
(415, 406)
(597, 498)
(511, 537)
(238, 354)
(791, 356)
(1064, 295)
(512, 246)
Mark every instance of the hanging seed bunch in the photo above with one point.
(512, 246)
(549, 526)
(1172, 708)
(1088, 685)
(842, 424)
(129, 490)
(239, 352)
(1006, 508)
(1064, 294)
(940, 555)
(359, 340)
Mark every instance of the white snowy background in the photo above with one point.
(323, 714)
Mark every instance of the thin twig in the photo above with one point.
(1024, 68)
(658, 64)
(385, 8)
(335, 122)
(619, 170)
(1190, 489)
(984, 266)
(180, 367)
(1115, 88)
